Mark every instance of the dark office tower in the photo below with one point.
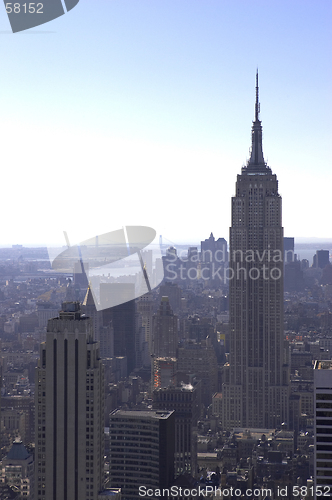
(322, 258)
(293, 279)
(141, 451)
(184, 399)
(289, 249)
(323, 428)
(255, 391)
(293, 274)
(123, 319)
(164, 331)
(69, 399)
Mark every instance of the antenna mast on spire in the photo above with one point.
(257, 105)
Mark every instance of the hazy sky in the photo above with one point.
(126, 112)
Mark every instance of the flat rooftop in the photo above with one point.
(158, 414)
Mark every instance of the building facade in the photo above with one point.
(256, 388)
(200, 361)
(141, 451)
(122, 317)
(69, 399)
(165, 331)
(163, 372)
(323, 428)
(184, 399)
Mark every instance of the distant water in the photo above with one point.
(115, 272)
(307, 250)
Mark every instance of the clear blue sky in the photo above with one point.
(129, 112)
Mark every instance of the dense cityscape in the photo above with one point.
(216, 380)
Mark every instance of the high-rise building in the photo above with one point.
(123, 319)
(289, 249)
(141, 450)
(256, 388)
(321, 259)
(199, 360)
(174, 294)
(171, 266)
(214, 257)
(163, 372)
(164, 331)
(323, 428)
(69, 399)
(184, 399)
(145, 306)
(213, 250)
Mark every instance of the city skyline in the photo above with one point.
(205, 367)
(150, 103)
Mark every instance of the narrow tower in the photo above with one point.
(255, 392)
(165, 331)
(69, 410)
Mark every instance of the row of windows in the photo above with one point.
(324, 397)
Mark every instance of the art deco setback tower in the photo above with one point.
(255, 392)
(69, 458)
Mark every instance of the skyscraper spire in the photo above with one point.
(257, 106)
(256, 161)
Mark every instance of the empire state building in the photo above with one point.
(256, 379)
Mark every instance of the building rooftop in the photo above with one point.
(142, 413)
(17, 452)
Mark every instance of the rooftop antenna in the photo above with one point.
(257, 105)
